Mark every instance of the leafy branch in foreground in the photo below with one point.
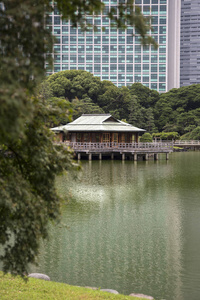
(28, 197)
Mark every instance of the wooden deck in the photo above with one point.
(125, 150)
(188, 144)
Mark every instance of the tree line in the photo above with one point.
(175, 111)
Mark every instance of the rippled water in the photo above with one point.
(130, 226)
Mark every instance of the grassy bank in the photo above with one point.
(15, 288)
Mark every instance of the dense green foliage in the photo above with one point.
(28, 197)
(192, 135)
(146, 138)
(178, 109)
(166, 135)
(88, 94)
(175, 111)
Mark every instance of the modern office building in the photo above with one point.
(190, 42)
(117, 55)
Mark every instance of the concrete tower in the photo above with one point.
(190, 42)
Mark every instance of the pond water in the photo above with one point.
(130, 226)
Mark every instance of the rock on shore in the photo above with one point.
(142, 296)
(39, 276)
(109, 291)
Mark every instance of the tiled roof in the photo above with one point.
(92, 119)
(100, 122)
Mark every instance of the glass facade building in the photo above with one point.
(190, 42)
(112, 54)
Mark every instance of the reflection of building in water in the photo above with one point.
(174, 246)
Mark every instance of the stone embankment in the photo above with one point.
(45, 277)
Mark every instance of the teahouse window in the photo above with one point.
(115, 137)
(133, 138)
(122, 138)
(97, 138)
(78, 137)
(86, 137)
(106, 137)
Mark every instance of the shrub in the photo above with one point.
(146, 138)
(166, 135)
(193, 135)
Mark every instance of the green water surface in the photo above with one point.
(130, 226)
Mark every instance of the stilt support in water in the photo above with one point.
(156, 156)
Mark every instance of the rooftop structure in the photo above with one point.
(97, 123)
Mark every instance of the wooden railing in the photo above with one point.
(189, 142)
(119, 146)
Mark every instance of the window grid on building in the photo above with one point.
(112, 54)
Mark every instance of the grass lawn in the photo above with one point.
(15, 288)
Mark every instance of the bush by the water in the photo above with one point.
(193, 135)
(166, 135)
(146, 138)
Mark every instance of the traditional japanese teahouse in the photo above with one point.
(103, 135)
(101, 128)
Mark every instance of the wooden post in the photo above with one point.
(146, 156)
(90, 156)
(156, 156)
(112, 156)
(79, 156)
(167, 156)
(123, 156)
(100, 156)
(135, 156)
